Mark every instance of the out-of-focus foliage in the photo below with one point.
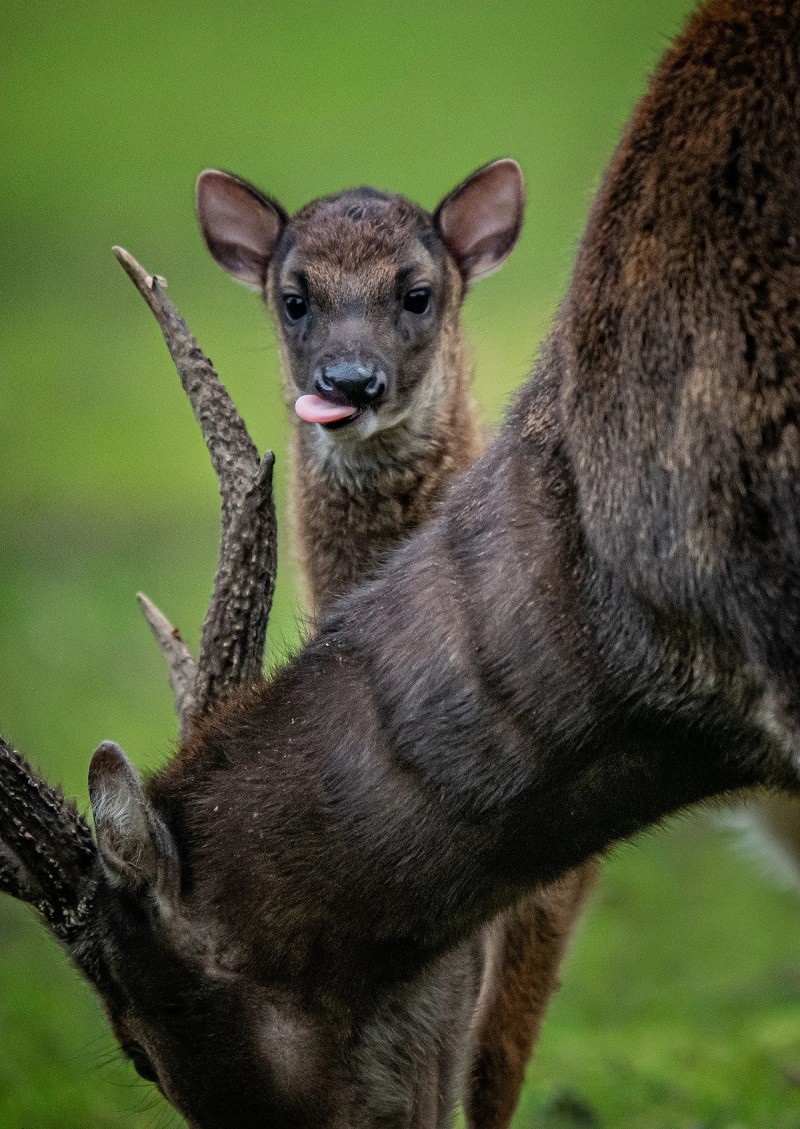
(680, 1008)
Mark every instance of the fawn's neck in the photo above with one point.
(352, 503)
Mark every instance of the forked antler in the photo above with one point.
(47, 854)
(232, 645)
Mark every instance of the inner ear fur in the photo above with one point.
(240, 225)
(481, 219)
(136, 848)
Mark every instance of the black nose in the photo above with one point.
(351, 381)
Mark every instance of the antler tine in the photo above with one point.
(46, 850)
(234, 630)
(180, 662)
(233, 453)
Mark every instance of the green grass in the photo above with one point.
(681, 1001)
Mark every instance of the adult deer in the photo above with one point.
(601, 626)
(366, 291)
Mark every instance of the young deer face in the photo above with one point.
(228, 1048)
(365, 287)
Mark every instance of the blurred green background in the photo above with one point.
(681, 1002)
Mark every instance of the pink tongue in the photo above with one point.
(313, 409)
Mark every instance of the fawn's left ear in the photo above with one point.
(136, 848)
(481, 219)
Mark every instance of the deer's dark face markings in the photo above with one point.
(221, 1049)
(227, 1050)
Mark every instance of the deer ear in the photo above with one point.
(481, 219)
(136, 848)
(241, 226)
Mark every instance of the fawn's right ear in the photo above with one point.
(240, 225)
(481, 219)
(136, 848)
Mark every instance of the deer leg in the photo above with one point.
(521, 978)
(778, 813)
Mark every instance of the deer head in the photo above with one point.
(365, 287)
(230, 1043)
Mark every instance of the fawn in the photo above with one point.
(600, 626)
(366, 291)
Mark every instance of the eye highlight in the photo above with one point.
(295, 307)
(418, 300)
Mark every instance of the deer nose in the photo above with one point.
(352, 381)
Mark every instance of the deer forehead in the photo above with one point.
(360, 249)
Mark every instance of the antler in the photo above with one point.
(47, 855)
(46, 849)
(234, 631)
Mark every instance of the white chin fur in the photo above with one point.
(364, 427)
(347, 454)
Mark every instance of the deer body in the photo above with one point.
(636, 650)
(600, 626)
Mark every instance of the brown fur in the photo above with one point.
(346, 520)
(600, 626)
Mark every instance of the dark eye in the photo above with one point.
(417, 300)
(141, 1062)
(295, 307)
